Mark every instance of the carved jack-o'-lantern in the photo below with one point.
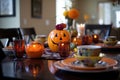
(58, 35)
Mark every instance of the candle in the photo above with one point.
(64, 49)
(34, 49)
(95, 38)
(74, 40)
(82, 27)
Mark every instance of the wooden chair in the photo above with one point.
(28, 34)
(102, 30)
(9, 34)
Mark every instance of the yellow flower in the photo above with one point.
(65, 13)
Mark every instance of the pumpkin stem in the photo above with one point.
(60, 26)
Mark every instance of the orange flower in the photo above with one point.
(73, 13)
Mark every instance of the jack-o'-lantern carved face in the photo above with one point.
(56, 36)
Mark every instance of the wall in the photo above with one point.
(43, 25)
(9, 22)
(90, 8)
(24, 19)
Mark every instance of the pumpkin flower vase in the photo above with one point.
(58, 35)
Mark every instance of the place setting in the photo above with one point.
(87, 60)
(110, 42)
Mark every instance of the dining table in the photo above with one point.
(47, 68)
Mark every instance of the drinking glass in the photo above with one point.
(19, 48)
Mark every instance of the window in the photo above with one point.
(105, 12)
(61, 5)
(117, 18)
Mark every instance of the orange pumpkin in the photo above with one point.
(34, 50)
(58, 35)
(90, 39)
(77, 41)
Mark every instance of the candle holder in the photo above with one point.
(81, 29)
(34, 49)
(19, 47)
(95, 38)
(64, 49)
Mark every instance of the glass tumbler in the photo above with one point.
(19, 47)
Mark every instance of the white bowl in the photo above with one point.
(88, 50)
(110, 43)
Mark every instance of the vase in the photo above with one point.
(71, 28)
(69, 23)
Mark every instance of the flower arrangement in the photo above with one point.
(70, 15)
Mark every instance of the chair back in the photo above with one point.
(9, 34)
(102, 30)
(28, 34)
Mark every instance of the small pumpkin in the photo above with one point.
(77, 41)
(87, 39)
(58, 35)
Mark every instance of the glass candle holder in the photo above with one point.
(34, 49)
(64, 49)
(19, 47)
(81, 29)
(95, 38)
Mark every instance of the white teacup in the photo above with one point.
(88, 54)
(40, 38)
(111, 41)
(111, 38)
(89, 50)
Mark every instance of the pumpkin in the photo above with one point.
(77, 41)
(56, 36)
(87, 39)
(34, 50)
